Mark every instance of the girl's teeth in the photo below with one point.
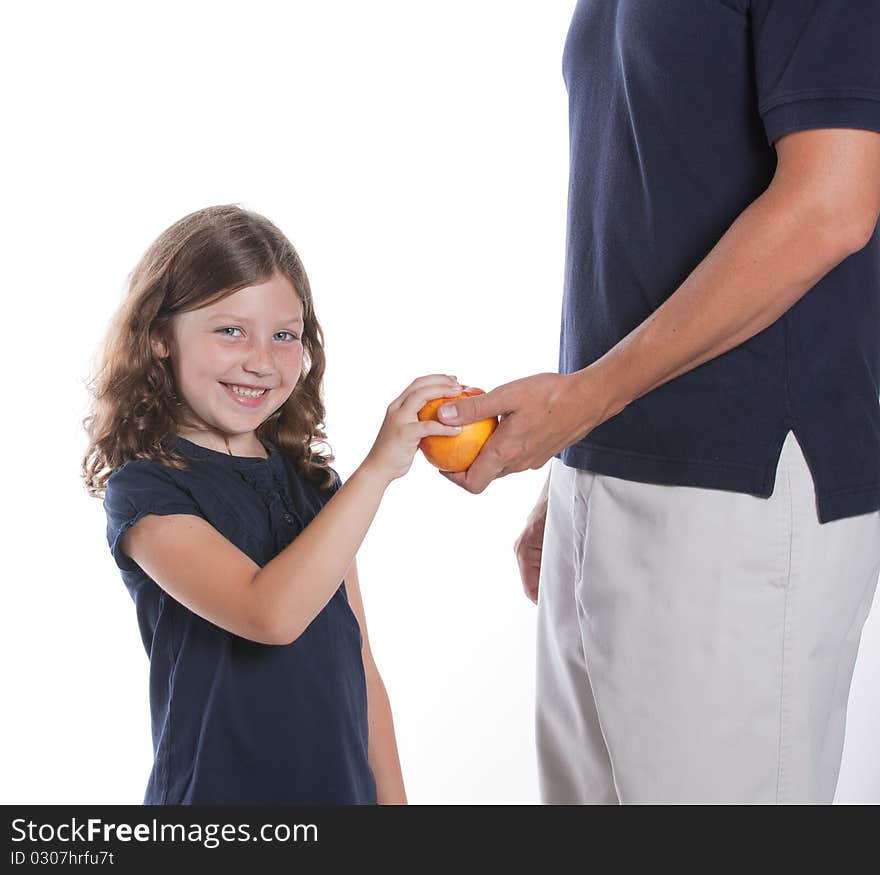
(250, 393)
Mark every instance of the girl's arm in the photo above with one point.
(201, 569)
(382, 753)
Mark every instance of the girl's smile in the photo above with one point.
(245, 396)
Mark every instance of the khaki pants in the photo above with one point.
(697, 645)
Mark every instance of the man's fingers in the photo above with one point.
(455, 476)
(465, 480)
(466, 410)
(530, 575)
(480, 474)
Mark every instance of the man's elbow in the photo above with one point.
(860, 233)
(844, 231)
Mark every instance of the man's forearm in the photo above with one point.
(776, 250)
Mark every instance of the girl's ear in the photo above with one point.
(160, 349)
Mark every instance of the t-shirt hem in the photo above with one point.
(847, 502)
(645, 468)
(712, 474)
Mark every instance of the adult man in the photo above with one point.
(704, 580)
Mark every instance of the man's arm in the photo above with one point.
(821, 206)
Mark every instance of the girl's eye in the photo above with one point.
(291, 337)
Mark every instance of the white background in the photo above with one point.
(416, 155)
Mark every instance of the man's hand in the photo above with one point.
(540, 415)
(529, 546)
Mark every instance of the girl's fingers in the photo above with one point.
(432, 427)
(418, 398)
(445, 381)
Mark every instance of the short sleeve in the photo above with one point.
(141, 487)
(337, 482)
(817, 64)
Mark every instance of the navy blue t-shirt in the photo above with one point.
(236, 722)
(674, 109)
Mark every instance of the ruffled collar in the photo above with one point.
(268, 477)
(196, 451)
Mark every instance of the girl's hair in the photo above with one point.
(199, 260)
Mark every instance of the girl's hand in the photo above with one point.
(399, 437)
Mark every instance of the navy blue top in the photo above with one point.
(236, 722)
(674, 108)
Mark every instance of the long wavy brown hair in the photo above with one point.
(202, 258)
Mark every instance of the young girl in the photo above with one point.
(235, 539)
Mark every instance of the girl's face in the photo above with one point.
(249, 342)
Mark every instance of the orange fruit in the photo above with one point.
(455, 452)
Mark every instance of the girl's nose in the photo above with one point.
(259, 361)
